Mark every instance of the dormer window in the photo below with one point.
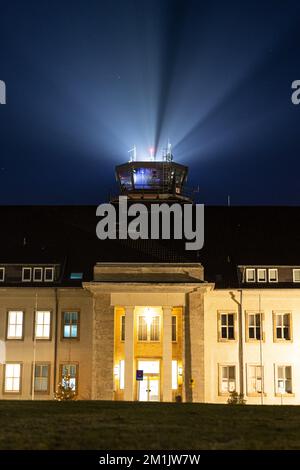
(296, 275)
(26, 274)
(2, 274)
(38, 274)
(273, 275)
(261, 275)
(49, 274)
(250, 275)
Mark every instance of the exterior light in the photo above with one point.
(179, 370)
(148, 316)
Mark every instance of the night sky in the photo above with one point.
(86, 80)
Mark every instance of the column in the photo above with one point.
(167, 353)
(129, 353)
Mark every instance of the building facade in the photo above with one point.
(144, 320)
(152, 332)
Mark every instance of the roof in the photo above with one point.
(252, 235)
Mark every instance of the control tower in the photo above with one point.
(156, 179)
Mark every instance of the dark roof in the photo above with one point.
(233, 236)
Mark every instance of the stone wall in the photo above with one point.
(103, 348)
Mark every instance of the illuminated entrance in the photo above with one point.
(149, 387)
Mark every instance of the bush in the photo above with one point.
(236, 399)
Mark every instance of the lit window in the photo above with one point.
(254, 326)
(38, 274)
(227, 379)
(122, 374)
(70, 324)
(261, 275)
(284, 379)
(273, 275)
(76, 276)
(148, 328)
(71, 371)
(255, 379)
(49, 274)
(174, 328)
(41, 378)
(296, 275)
(26, 274)
(142, 329)
(15, 325)
(12, 383)
(174, 375)
(282, 326)
(42, 324)
(250, 275)
(2, 274)
(227, 326)
(154, 329)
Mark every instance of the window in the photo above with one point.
(70, 325)
(227, 379)
(122, 374)
(49, 274)
(261, 275)
(148, 328)
(296, 275)
(26, 274)
(255, 379)
(282, 326)
(174, 375)
(2, 274)
(122, 327)
(38, 274)
(154, 329)
(254, 326)
(142, 329)
(41, 378)
(70, 370)
(174, 328)
(12, 381)
(273, 275)
(284, 380)
(250, 275)
(15, 324)
(76, 276)
(227, 326)
(42, 324)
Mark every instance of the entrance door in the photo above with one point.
(149, 388)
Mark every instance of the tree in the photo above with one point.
(65, 390)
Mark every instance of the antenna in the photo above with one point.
(132, 154)
(169, 156)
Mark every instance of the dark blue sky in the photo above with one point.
(88, 79)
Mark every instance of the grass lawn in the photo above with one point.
(121, 425)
